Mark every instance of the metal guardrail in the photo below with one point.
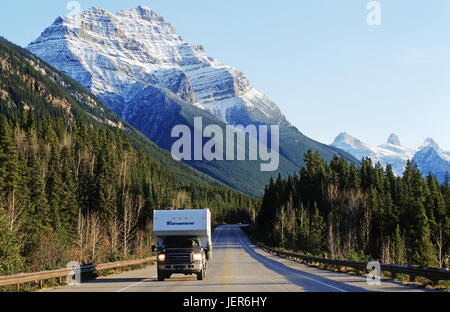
(432, 274)
(19, 279)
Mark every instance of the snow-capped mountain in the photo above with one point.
(138, 66)
(429, 157)
(117, 56)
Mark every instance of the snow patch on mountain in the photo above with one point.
(431, 144)
(394, 140)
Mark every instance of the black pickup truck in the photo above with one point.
(183, 255)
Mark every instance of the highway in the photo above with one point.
(239, 266)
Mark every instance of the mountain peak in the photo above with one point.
(153, 54)
(147, 14)
(431, 158)
(394, 140)
(345, 139)
(97, 9)
(429, 142)
(143, 9)
(342, 137)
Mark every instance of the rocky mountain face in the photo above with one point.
(138, 66)
(429, 157)
(117, 56)
(16, 65)
(28, 84)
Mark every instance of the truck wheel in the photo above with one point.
(161, 276)
(201, 274)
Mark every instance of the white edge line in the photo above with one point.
(135, 284)
(298, 274)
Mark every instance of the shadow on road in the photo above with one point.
(115, 280)
(307, 281)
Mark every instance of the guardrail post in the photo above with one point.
(412, 278)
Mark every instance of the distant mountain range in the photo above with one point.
(137, 65)
(429, 157)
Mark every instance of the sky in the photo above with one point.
(318, 60)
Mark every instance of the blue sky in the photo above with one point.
(321, 63)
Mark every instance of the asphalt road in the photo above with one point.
(239, 266)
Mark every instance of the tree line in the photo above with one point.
(70, 192)
(340, 210)
(75, 188)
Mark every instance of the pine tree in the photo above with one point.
(420, 249)
(11, 261)
(38, 212)
(316, 237)
(398, 247)
(68, 201)
(9, 172)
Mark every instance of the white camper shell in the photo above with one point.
(168, 223)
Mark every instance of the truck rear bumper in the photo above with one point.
(188, 268)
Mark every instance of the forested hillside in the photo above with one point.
(76, 182)
(339, 210)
